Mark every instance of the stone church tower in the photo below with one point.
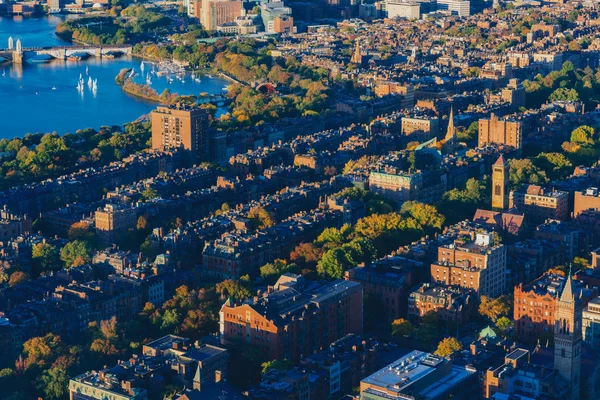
(500, 180)
(567, 339)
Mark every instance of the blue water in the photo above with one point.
(43, 97)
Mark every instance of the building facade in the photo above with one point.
(494, 130)
(294, 318)
(500, 181)
(182, 127)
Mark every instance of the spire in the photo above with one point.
(567, 293)
(450, 139)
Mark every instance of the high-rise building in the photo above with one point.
(494, 130)
(567, 339)
(182, 127)
(500, 191)
(218, 12)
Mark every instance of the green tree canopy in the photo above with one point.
(75, 253)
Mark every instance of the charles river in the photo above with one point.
(43, 97)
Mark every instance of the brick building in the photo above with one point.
(450, 304)
(184, 127)
(586, 200)
(473, 262)
(114, 221)
(388, 281)
(540, 204)
(535, 305)
(494, 130)
(295, 318)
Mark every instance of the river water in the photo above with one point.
(43, 97)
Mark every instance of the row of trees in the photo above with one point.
(40, 156)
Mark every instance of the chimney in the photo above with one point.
(218, 376)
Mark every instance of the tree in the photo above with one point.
(306, 254)
(279, 365)
(564, 94)
(401, 327)
(447, 347)
(554, 165)
(583, 135)
(53, 383)
(494, 308)
(261, 218)
(41, 351)
(233, 289)
(272, 271)
(504, 324)
(426, 215)
(332, 265)
(17, 278)
(149, 194)
(44, 257)
(522, 171)
(75, 253)
(81, 231)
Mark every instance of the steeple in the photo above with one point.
(567, 293)
(450, 139)
(357, 57)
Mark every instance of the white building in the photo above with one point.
(403, 9)
(462, 8)
(591, 322)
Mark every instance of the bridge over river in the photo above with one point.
(16, 53)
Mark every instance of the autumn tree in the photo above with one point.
(448, 346)
(494, 308)
(261, 218)
(17, 278)
(401, 327)
(306, 255)
(81, 231)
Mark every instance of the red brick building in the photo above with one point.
(295, 318)
(534, 306)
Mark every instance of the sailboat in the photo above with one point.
(142, 67)
(90, 82)
(3, 72)
(87, 71)
(95, 85)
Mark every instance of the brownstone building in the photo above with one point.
(295, 317)
(494, 130)
(450, 304)
(181, 127)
